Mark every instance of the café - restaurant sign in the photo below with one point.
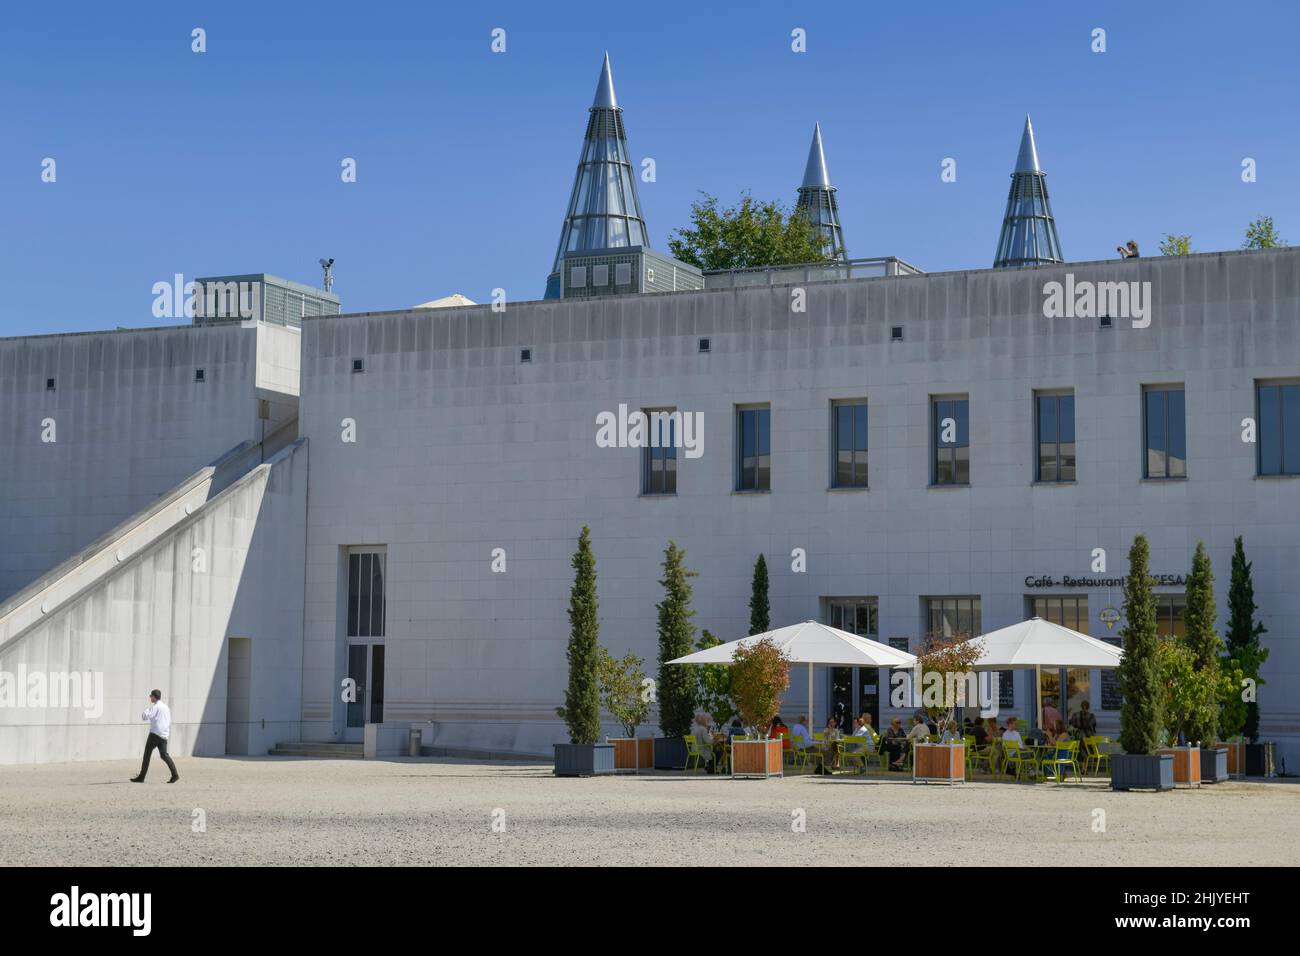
(1067, 581)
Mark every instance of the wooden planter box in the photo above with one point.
(939, 763)
(756, 758)
(1142, 771)
(583, 760)
(633, 753)
(1236, 758)
(1261, 760)
(670, 753)
(1187, 765)
(1214, 764)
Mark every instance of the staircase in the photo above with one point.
(328, 750)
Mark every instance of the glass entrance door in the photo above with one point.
(854, 690)
(366, 670)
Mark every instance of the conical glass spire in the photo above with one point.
(1028, 228)
(817, 198)
(604, 208)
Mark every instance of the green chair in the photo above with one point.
(811, 753)
(1060, 758)
(853, 748)
(976, 755)
(1020, 759)
(1094, 757)
(693, 752)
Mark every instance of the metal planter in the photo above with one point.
(1142, 771)
(584, 760)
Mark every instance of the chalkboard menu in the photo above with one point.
(1111, 698)
(1006, 690)
(898, 643)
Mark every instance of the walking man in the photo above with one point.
(159, 716)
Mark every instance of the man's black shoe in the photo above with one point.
(174, 778)
(137, 779)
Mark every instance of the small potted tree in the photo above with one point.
(713, 685)
(946, 677)
(1140, 718)
(623, 691)
(676, 685)
(760, 674)
(1189, 701)
(582, 756)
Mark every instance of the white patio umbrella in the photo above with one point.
(1036, 644)
(811, 643)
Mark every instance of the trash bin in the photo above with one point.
(417, 735)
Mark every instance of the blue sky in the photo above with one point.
(228, 161)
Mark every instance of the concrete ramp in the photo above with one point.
(154, 604)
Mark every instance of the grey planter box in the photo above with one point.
(670, 753)
(1142, 771)
(1261, 760)
(584, 760)
(1214, 765)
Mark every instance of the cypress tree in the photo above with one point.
(581, 710)
(760, 619)
(676, 639)
(1244, 632)
(1202, 639)
(1139, 671)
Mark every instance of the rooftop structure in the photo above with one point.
(817, 198)
(1028, 227)
(262, 298)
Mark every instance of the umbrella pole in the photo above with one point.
(812, 717)
(1038, 694)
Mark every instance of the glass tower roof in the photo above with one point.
(817, 198)
(1028, 227)
(604, 209)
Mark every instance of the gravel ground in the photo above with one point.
(269, 811)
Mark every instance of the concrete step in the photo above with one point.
(317, 749)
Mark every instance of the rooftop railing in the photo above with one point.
(810, 272)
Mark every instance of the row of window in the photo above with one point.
(1164, 438)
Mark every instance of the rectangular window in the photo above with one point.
(1170, 611)
(950, 438)
(949, 616)
(1278, 417)
(849, 441)
(1165, 426)
(1055, 429)
(754, 449)
(366, 593)
(659, 460)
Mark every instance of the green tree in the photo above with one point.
(1176, 244)
(759, 676)
(753, 233)
(1141, 717)
(1205, 646)
(676, 636)
(760, 619)
(713, 685)
(581, 710)
(621, 687)
(1245, 652)
(1261, 234)
(941, 656)
(1189, 695)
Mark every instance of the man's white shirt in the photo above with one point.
(159, 716)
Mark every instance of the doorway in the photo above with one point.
(239, 672)
(366, 671)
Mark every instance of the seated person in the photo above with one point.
(777, 729)
(832, 752)
(735, 729)
(864, 729)
(1060, 734)
(1085, 720)
(1011, 735)
(981, 734)
(703, 734)
(920, 729)
(891, 742)
(800, 730)
(951, 734)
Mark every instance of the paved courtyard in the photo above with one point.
(281, 811)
